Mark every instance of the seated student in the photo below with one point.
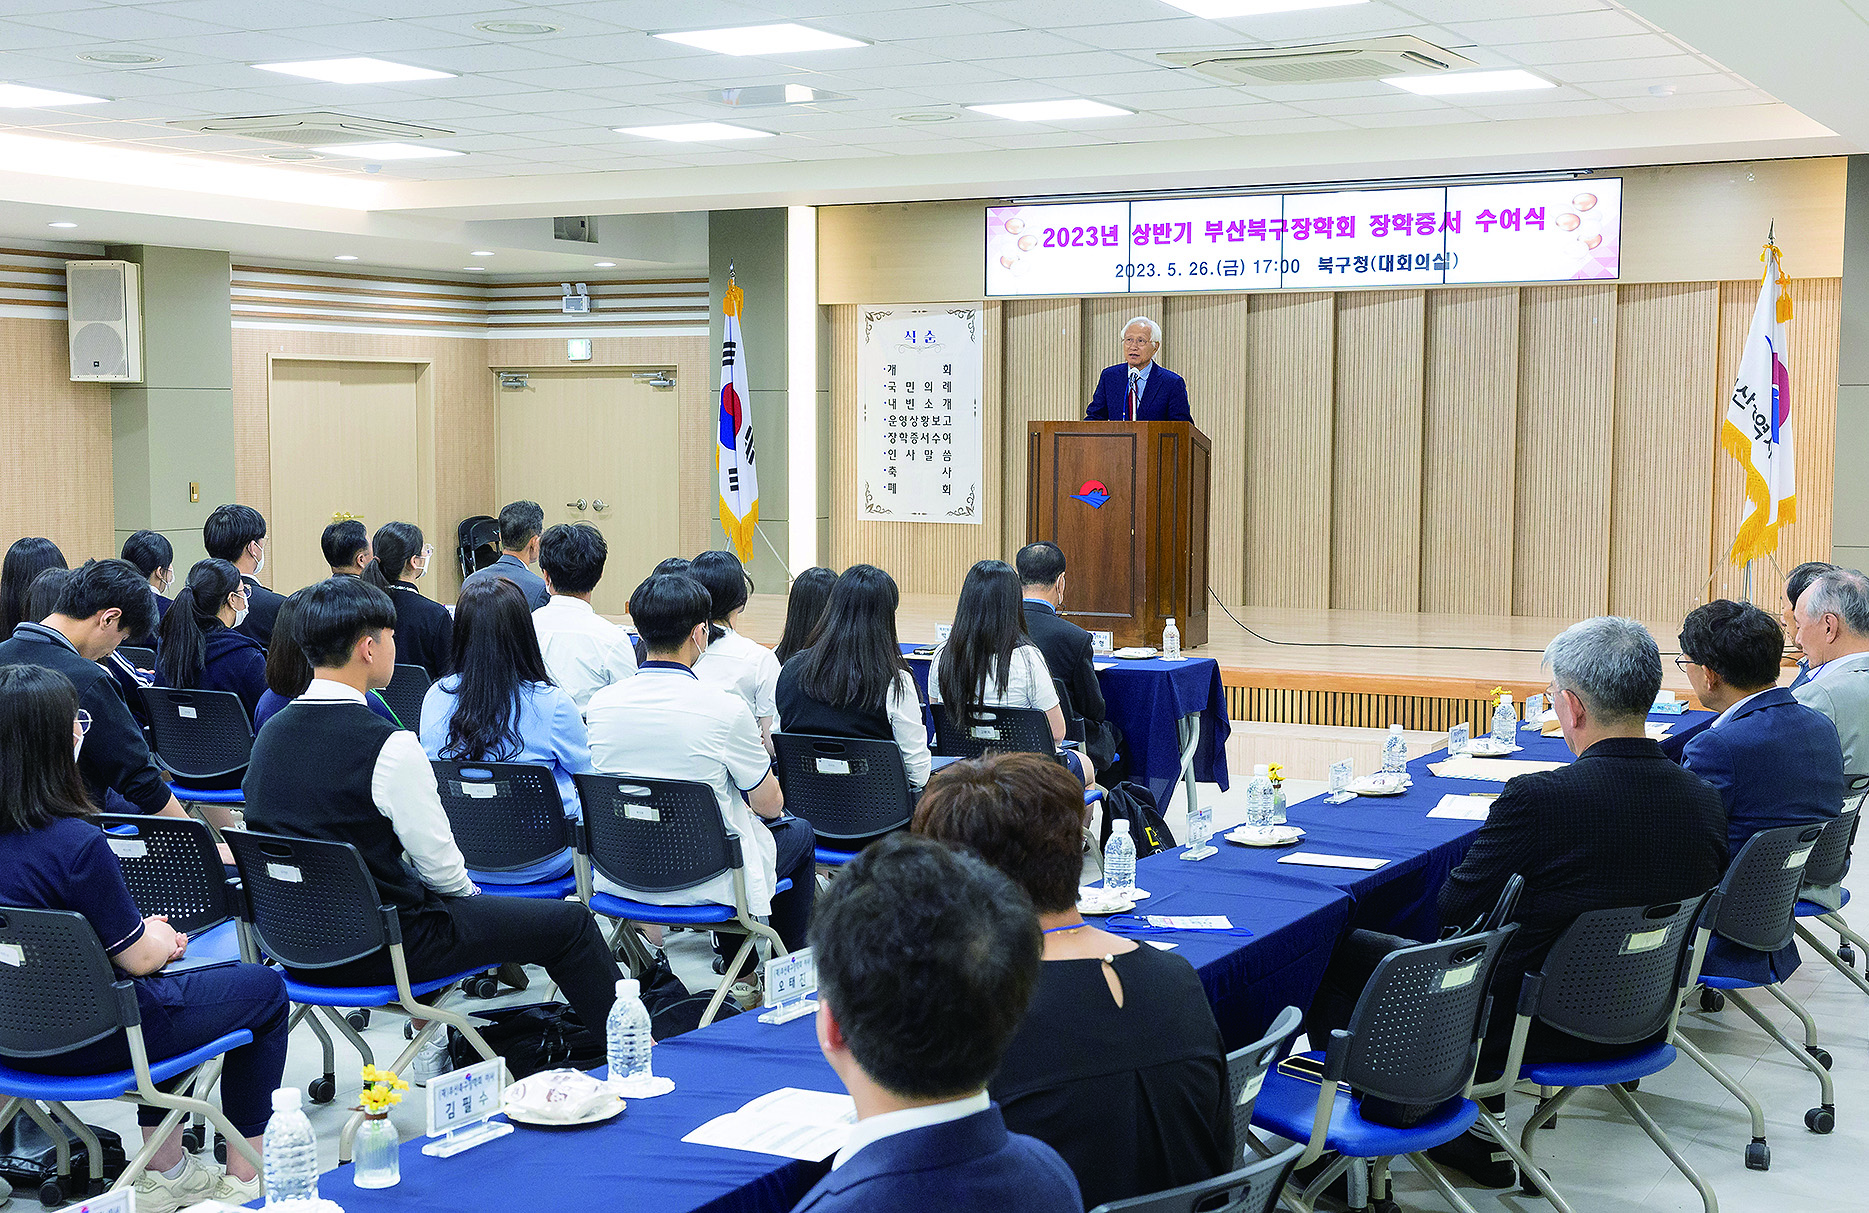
(743, 666)
(1118, 1064)
(1067, 647)
(346, 548)
(99, 607)
(288, 673)
(988, 662)
(926, 960)
(52, 858)
(1620, 826)
(521, 525)
(201, 648)
(1796, 582)
(25, 560)
(853, 682)
(583, 651)
(804, 607)
(154, 557)
(236, 534)
(326, 767)
(424, 629)
(501, 705)
(667, 724)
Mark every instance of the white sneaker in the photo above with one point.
(236, 1192)
(432, 1060)
(157, 1193)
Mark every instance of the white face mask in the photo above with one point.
(259, 562)
(240, 616)
(419, 568)
(76, 746)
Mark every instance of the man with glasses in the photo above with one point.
(237, 534)
(1831, 619)
(1136, 389)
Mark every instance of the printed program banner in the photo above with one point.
(919, 426)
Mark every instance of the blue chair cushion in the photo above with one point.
(1713, 981)
(24, 1084)
(1652, 1060)
(611, 906)
(207, 795)
(364, 996)
(543, 890)
(1287, 1106)
(830, 858)
(1810, 909)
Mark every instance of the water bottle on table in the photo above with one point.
(291, 1150)
(1259, 799)
(1505, 721)
(626, 1034)
(1395, 751)
(1171, 641)
(1119, 857)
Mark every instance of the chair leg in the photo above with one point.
(94, 1149)
(1495, 1128)
(1358, 1184)
(1771, 1029)
(1305, 1201)
(61, 1146)
(1836, 962)
(1796, 1008)
(1448, 1192)
(1640, 1116)
(1546, 1113)
(351, 1034)
(1758, 1153)
(1835, 922)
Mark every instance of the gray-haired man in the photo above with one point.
(1831, 622)
(1136, 389)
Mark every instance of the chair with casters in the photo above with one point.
(851, 790)
(1823, 885)
(141, 658)
(404, 694)
(312, 904)
(203, 739)
(1755, 902)
(62, 995)
(660, 836)
(1413, 1039)
(1646, 954)
(994, 730)
(1253, 1188)
(1246, 1071)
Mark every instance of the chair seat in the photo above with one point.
(1713, 981)
(612, 906)
(1287, 1106)
(26, 1085)
(1810, 909)
(207, 795)
(555, 889)
(1652, 1060)
(363, 996)
(831, 858)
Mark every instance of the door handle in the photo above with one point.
(575, 505)
(599, 505)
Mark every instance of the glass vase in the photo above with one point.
(377, 1153)
(1278, 804)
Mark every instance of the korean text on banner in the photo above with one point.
(733, 443)
(1757, 430)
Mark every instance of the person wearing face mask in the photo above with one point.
(201, 645)
(237, 534)
(665, 723)
(154, 557)
(424, 629)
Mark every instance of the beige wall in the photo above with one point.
(54, 444)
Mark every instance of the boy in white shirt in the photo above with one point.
(583, 651)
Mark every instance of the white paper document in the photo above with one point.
(1656, 729)
(1463, 808)
(1494, 770)
(1191, 922)
(1317, 859)
(789, 1122)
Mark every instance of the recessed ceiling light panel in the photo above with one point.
(784, 39)
(1051, 111)
(695, 132)
(1215, 10)
(345, 257)
(515, 27)
(354, 71)
(387, 151)
(605, 265)
(481, 252)
(926, 116)
(61, 223)
(20, 96)
(1456, 83)
(120, 58)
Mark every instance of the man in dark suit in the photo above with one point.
(237, 534)
(1775, 761)
(1067, 650)
(926, 960)
(522, 523)
(1136, 389)
(1620, 826)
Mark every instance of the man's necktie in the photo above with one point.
(1135, 384)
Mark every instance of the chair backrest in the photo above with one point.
(997, 730)
(1251, 1189)
(654, 835)
(57, 989)
(171, 867)
(1830, 860)
(1073, 723)
(311, 903)
(477, 542)
(404, 694)
(505, 815)
(198, 734)
(1759, 894)
(1414, 1036)
(1246, 1070)
(1615, 976)
(136, 655)
(847, 788)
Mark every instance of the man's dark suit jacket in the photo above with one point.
(1067, 650)
(262, 609)
(1164, 396)
(963, 1165)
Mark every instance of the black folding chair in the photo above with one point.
(1823, 895)
(141, 658)
(1246, 1071)
(404, 694)
(1073, 723)
(664, 836)
(997, 730)
(851, 790)
(1253, 1188)
(507, 816)
(203, 739)
(477, 543)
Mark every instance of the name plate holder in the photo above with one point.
(1458, 738)
(461, 1104)
(791, 980)
(1340, 775)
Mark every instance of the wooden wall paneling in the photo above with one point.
(1209, 335)
(1566, 407)
(1291, 359)
(843, 470)
(1044, 352)
(1469, 432)
(55, 440)
(1662, 485)
(1375, 512)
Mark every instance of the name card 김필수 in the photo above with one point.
(460, 1106)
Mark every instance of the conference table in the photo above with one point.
(1284, 921)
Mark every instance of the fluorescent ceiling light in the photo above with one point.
(694, 132)
(1218, 9)
(785, 39)
(62, 223)
(1454, 83)
(605, 265)
(1051, 111)
(354, 71)
(23, 97)
(387, 151)
(345, 257)
(481, 252)
(474, 267)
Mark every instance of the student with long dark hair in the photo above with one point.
(52, 857)
(424, 629)
(500, 704)
(852, 682)
(745, 667)
(200, 648)
(154, 557)
(288, 673)
(989, 662)
(25, 560)
(811, 590)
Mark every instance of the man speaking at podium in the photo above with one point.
(1136, 389)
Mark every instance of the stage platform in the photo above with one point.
(1360, 669)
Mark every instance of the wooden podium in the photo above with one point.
(1127, 503)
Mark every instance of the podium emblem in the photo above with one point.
(1092, 492)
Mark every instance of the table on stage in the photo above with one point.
(1286, 920)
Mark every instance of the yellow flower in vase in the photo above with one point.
(1500, 695)
(380, 1090)
(1276, 772)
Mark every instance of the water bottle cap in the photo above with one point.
(1120, 825)
(628, 988)
(1171, 621)
(1262, 769)
(1395, 728)
(288, 1099)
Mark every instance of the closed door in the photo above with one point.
(596, 446)
(343, 443)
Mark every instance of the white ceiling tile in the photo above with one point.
(489, 57)
(1169, 34)
(396, 40)
(396, 9)
(578, 77)
(1669, 67)
(1018, 43)
(131, 23)
(1633, 46)
(953, 75)
(1481, 10)
(271, 15)
(1576, 107)
(1563, 27)
(1447, 117)
(939, 21)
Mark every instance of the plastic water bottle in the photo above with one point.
(1259, 799)
(1171, 641)
(291, 1150)
(1395, 751)
(1505, 721)
(626, 1034)
(1119, 857)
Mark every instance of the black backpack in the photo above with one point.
(1133, 802)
